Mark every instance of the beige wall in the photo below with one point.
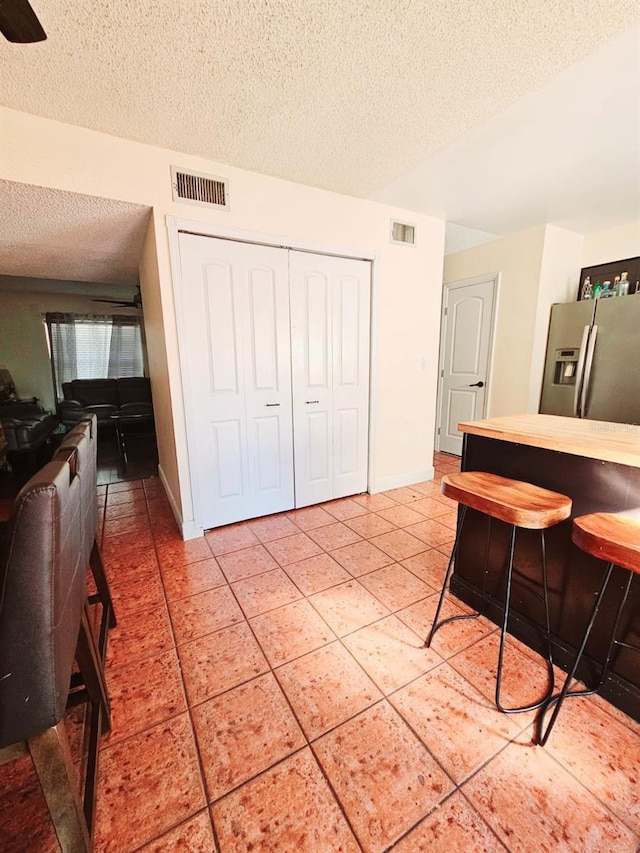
(157, 355)
(559, 276)
(23, 345)
(517, 261)
(615, 244)
(536, 268)
(406, 321)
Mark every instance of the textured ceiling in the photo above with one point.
(567, 154)
(47, 233)
(494, 115)
(341, 94)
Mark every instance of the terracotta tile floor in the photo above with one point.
(270, 692)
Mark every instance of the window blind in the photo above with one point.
(94, 347)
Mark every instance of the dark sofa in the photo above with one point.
(105, 398)
(27, 426)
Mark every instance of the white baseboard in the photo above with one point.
(396, 481)
(189, 529)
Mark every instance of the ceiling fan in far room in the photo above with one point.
(19, 23)
(136, 302)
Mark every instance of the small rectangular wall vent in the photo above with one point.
(403, 233)
(198, 188)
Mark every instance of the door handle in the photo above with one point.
(579, 371)
(588, 364)
(271, 404)
(308, 402)
(477, 385)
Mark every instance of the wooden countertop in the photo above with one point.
(594, 439)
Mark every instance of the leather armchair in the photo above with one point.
(26, 426)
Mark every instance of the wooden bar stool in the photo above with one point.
(518, 504)
(614, 538)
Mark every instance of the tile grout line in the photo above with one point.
(202, 779)
(307, 744)
(295, 717)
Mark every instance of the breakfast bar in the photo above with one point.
(597, 465)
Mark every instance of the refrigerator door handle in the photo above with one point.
(579, 369)
(587, 370)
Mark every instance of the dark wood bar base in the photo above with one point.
(574, 577)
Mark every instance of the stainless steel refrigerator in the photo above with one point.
(592, 367)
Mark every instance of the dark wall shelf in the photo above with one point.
(608, 272)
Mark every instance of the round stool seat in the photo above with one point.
(612, 537)
(512, 501)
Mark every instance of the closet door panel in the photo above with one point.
(222, 329)
(267, 373)
(221, 445)
(346, 426)
(226, 449)
(351, 321)
(347, 332)
(265, 438)
(330, 360)
(312, 372)
(263, 331)
(315, 340)
(237, 378)
(318, 462)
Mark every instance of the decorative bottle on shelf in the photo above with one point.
(616, 286)
(597, 287)
(606, 291)
(587, 289)
(624, 284)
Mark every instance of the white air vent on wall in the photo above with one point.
(403, 232)
(198, 188)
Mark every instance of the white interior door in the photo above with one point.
(466, 344)
(330, 317)
(235, 306)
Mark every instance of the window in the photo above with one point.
(94, 347)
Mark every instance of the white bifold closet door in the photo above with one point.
(330, 318)
(259, 414)
(236, 356)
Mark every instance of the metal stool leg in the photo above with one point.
(557, 701)
(503, 633)
(547, 614)
(613, 641)
(437, 625)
